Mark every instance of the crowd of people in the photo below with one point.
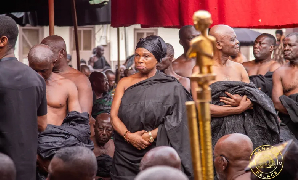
(59, 123)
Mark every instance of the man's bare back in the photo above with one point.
(257, 68)
(83, 85)
(183, 66)
(62, 97)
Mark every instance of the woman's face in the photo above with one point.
(145, 61)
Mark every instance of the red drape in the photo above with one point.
(177, 13)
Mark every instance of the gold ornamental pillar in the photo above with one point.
(202, 48)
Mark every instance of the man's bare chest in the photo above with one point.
(57, 96)
(258, 70)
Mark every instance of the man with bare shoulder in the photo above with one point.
(166, 66)
(285, 85)
(183, 65)
(262, 50)
(237, 106)
(62, 94)
(261, 69)
(85, 94)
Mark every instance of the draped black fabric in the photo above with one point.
(259, 123)
(74, 131)
(263, 82)
(157, 102)
(291, 105)
(155, 45)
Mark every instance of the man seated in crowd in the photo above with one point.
(162, 155)
(7, 168)
(161, 173)
(62, 94)
(231, 156)
(85, 94)
(130, 71)
(166, 66)
(69, 60)
(100, 86)
(103, 144)
(261, 69)
(183, 65)
(278, 50)
(285, 85)
(233, 96)
(76, 163)
(111, 77)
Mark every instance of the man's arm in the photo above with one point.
(274, 66)
(85, 94)
(42, 108)
(73, 102)
(277, 91)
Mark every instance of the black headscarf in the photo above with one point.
(155, 45)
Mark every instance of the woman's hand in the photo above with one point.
(137, 140)
(232, 101)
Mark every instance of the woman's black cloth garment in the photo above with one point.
(259, 123)
(157, 102)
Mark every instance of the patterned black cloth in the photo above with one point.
(265, 82)
(291, 105)
(259, 123)
(74, 131)
(102, 105)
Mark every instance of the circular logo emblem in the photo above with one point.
(266, 161)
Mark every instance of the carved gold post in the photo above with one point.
(202, 48)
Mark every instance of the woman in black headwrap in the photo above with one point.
(148, 110)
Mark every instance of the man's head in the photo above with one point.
(111, 77)
(40, 59)
(226, 41)
(76, 163)
(290, 47)
(162, 155)
(8, 34)
(82, 62)
(58, 46)
(186, 34)
(99, 51)
(232, 151)
(161, 173)
(130, 71)
(103, 129)
(278, 34)
(7, 168)
(85, 70)
(69, 58)
(99, 82)
(263, 46)
(167, 60)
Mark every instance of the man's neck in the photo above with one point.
(63, 67)
(257, 61)
(238, 170)
(170, 71)
(294, 63)
(99, 95)
(9, 53)
(221, 59)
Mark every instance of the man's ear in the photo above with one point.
(3, 41)
(224, 163)
(180, 42)
(272, 48)
(61, 53)
(219, 45)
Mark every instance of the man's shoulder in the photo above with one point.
(249, 63)
(179, 60)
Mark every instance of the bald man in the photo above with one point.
(7, 168)
(262, 49)
(225, 70)
(183, 65)
(99, 60)
(76, 163)
(231, 156)
(103, 144)
(85, 94)
(166, 66)
(62, 94)
(161, 173)
(162, 155)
